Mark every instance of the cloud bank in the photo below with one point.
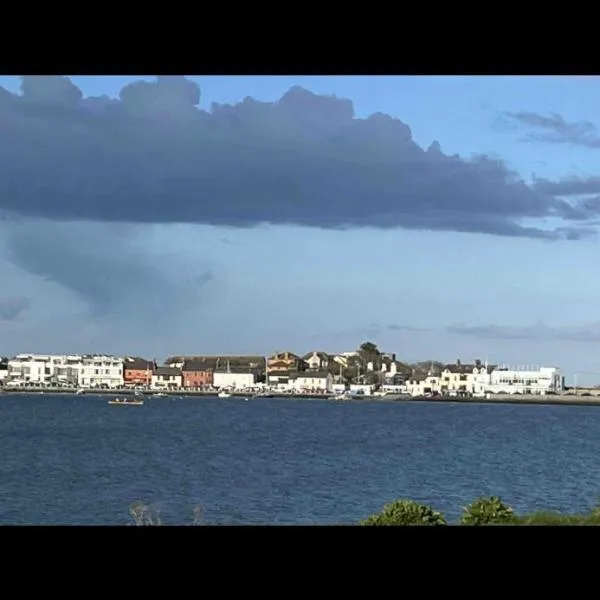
(154, 156)
(537, 332)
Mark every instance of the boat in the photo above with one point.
(264, 395)
(343, 396)
(224, 394)
(134, 402)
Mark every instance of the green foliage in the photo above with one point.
(488, 511)
(406, 512)
(554, 518)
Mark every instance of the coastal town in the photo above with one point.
(364, 371)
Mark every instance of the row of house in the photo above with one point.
(283, 371)
(479, 379)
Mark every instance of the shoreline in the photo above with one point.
(563, 400)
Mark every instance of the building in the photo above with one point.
(419, 384)
(137, 371)
(246, 361)
(466, 379)
(3, 369)
(198, 374)
(101, 371)
(29, 369)
(281, 380)
(285, 361)
(166, 378)
(526, 381)
(312, 381)
(234, 378)
(317, 361)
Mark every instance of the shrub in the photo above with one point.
(488, 511)
(406, 512)
(554, 518)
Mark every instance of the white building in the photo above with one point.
(29, 369)
(169, 378)
(234, 380)
(310, 381)
(526, 381)
(101, 371)
(420, 385)
(3, 369)
(466, 379)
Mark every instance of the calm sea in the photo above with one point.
(78, 460)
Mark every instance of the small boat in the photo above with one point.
(344, 396)
(224, 394)
(264, 395)
(131, 401)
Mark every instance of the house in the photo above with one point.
(166, 378)
(312, 381)
(198, 374)
(44, 370)
(251, 361)
(235, 378)
(137, 371)
(29, 369)
(101, 371)
(526, 381)
(281, 380)
(465, 379)
(3, 369)
(419, 384)
(285, 361)
(317, 360)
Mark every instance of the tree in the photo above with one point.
(406, 512)
(368, 352)
(488, 511)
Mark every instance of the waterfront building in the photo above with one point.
(526, 380)
(198, 374)
(166, 378)
(235, 378)
(311, 381)
(137, 371)
(466, 379)
(101, 371)
(44, 370)
(418, 384)
(3, 369)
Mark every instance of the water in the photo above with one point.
(77, 460)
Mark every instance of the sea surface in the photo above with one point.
(77, 460)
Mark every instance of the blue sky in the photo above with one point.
(75, 282)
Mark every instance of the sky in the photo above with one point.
(440, 217)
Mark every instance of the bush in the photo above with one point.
(406, 512)
(488, 511)
(554, 518)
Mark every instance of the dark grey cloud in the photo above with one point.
(556, 130)
(535, 332)
(154, 156)
(13, 307)
(569, 186)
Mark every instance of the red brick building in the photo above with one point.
(197, 374)
(137, 371)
